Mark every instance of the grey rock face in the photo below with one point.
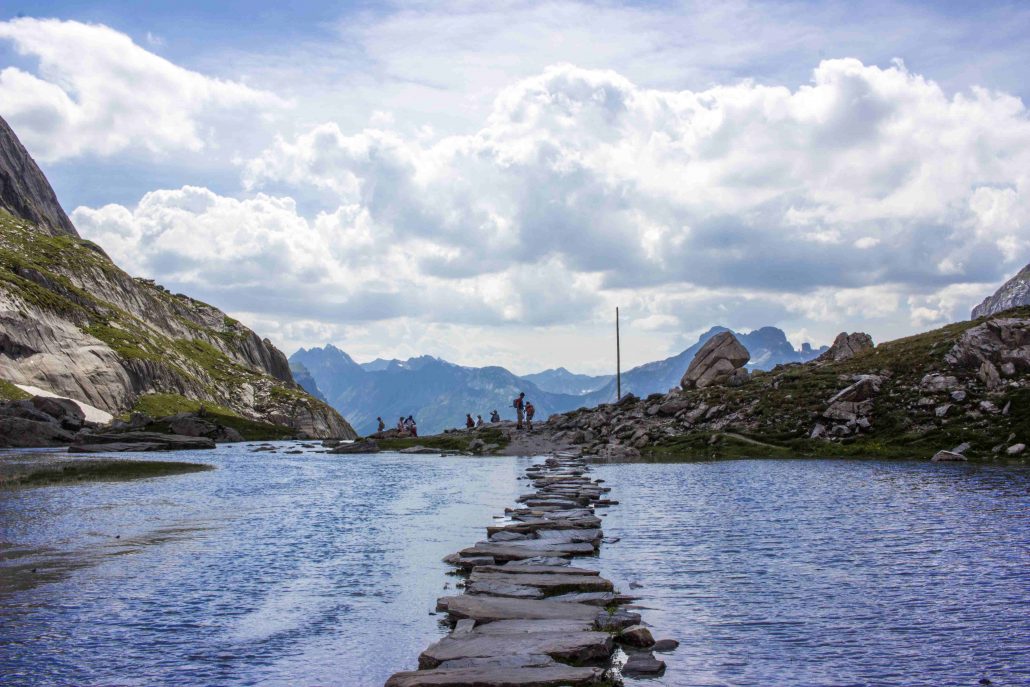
(74, 324)
(1013, 293)
(716, 363)
(997, 343)
(847, 346)
(24, 191)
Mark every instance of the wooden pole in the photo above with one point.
(618, 359)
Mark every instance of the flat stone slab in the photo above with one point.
(585, 536)
(550, 676)
(488, 609)
(519, 626)
(511, 551)
(549, 584)
(593, 598)
(510, 569)
(505, 589)
(574, 647)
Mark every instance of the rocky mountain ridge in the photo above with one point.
(1013, 293)
(73, 323)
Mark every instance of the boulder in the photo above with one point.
(948, 457)
(63, 410)
(716, 363)
(1015, 449)
(636, 635)
(846, 346)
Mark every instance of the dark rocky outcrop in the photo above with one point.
(24, 191)
(39, 422)
(1013, 293)
(720, 361)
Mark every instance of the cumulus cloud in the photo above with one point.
(738, 185)
(93, 90)
(867, 198)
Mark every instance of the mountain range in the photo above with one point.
(439, 393)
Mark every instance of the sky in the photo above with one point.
(486, 182)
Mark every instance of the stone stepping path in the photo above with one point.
(529, 617)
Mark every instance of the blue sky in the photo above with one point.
(485, 182)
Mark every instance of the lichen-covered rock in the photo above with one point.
(717, 362)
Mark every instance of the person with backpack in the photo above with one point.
(469, 422)
(530, 412)
(495, 416)
(520, 409)
(382, 425)
(479, 420)
(401, 425)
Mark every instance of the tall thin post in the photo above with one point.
(618, 359)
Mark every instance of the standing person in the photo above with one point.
(469, 422)
(401, 425)
(382, 425)
(412, 427)
(495, 416)
(530, 412)
(479, 420)
(520, 408)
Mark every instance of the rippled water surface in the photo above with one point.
(314, 569)
(828, 572)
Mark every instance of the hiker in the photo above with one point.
(530, 412)
(469, 422)
(382, 425)
(520, 408)
(401, 425)
(412, 427)
(495, 416)
(479, 420)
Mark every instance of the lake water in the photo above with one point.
(315, 569)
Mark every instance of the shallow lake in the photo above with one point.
(313, 569)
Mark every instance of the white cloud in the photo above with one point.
(738, 185)
(95, 91)
(868, 199)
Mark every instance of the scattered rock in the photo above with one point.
(666, 645)
(948, 457)
(1015, 449)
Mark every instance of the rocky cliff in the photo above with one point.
(73, 323)
(1014, 292)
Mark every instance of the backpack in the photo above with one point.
(517, 403)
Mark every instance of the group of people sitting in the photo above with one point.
(524, 411)
(478, 422)
(405, 425)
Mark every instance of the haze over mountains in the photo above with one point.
(439, 393)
